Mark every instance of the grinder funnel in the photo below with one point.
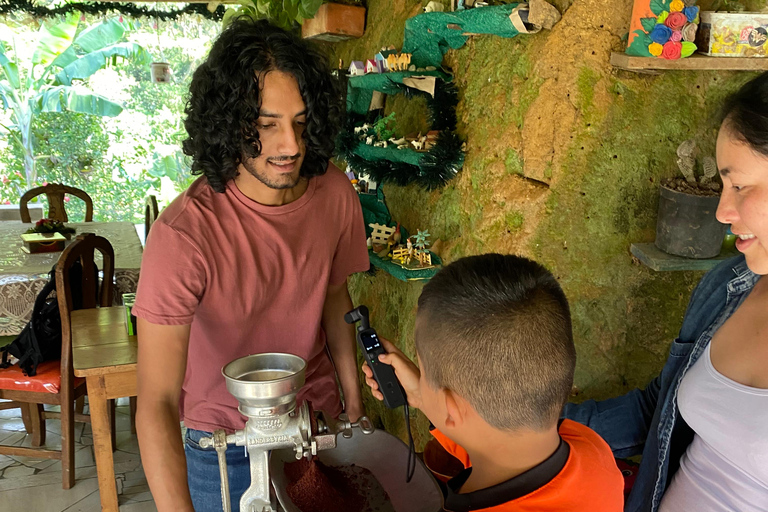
(265, 384)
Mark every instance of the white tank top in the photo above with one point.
(725, 468)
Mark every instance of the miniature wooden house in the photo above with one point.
(371, 67)
(381, 233)
(357, 68)
(381, 63)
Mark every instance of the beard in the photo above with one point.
(277, 182)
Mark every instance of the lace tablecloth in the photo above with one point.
(23, 275)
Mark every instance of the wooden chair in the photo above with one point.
(55, 193)
(150, 214)
(55, 382)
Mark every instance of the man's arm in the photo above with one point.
(162, 363)
(341, 342)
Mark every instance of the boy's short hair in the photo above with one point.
(496, 329)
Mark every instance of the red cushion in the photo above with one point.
(47, 379)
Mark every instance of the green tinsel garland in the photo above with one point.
(436, 167)
(133, 10)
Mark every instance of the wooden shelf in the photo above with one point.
(658, 260)
(695, 62)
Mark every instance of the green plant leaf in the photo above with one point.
(309, 8)
(263, 6)
(648, 23)
(63, 97)
(54, 40)
(284, 20)
(10, 69)
(165, 166)
(6, 93)
(66, 57)
(230, 15)
(100, 35)
(89, 64)
(639, 46)
(291, 9)
(658, 5)
(688, 49)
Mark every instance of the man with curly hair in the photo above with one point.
(253, 257)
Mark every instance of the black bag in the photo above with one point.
(41, 338)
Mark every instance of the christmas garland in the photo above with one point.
(132, 10)
(436, 167)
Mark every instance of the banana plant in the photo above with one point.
(52, 82)
(283, 13)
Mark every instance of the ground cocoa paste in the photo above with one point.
(315, 487)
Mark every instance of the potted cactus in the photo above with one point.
(686, 225)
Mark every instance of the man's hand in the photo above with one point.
(407, 373)
(343, 348)
(354, 411)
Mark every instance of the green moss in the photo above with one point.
(514, 219)
(623, 315)
(585, 83)
(513, 163)
(603, 196)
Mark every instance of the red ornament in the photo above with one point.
(671, 50)
(120, 19)
(676, 20)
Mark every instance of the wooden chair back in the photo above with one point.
(83, 250)
(55, 193)
(151, 213)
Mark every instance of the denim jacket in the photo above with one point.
(648, 421)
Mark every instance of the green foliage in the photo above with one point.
(639, 46)
(51, 226)
(117, 160)
(385, 127)
(60, 56)
(688, 49)
(78, 156)
(659, 6)
(648, 23)
(283, 13)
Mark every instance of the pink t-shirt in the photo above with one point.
(250, 278)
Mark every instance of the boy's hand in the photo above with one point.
(407, 373)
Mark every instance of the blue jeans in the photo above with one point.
(203, 473)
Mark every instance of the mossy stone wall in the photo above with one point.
(564, 157)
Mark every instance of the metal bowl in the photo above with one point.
(381, 453)
(263, 381)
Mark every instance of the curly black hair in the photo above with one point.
(224, 99)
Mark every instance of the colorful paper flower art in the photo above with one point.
(670, 34)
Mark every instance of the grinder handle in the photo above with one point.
(219, 442)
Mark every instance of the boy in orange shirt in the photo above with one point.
(495, 348)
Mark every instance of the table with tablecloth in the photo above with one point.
(23, 275)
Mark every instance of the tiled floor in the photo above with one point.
(34, 485)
